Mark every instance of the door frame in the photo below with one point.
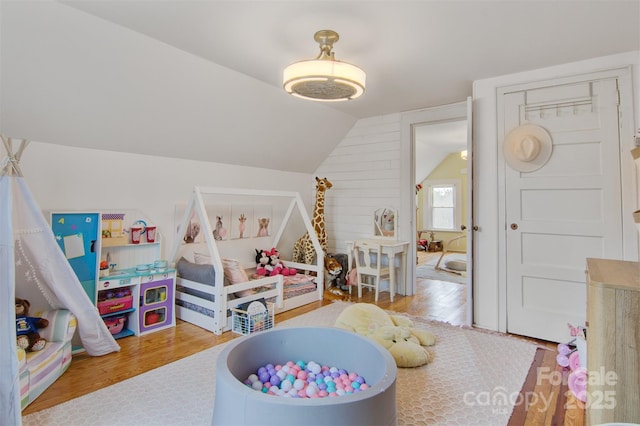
(627, 168)
(409, 120)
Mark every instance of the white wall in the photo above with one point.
(366, 169)
(365, 172)
(488, 279)
(65, 178)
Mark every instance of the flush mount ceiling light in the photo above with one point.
(324, 78)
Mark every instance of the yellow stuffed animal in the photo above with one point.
(394, 332)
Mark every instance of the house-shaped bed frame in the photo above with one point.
(208, 303)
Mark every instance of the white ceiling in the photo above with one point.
(218, 65)
(434, 142)
(416, 53)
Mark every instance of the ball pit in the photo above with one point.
(305, 380)
(238, 403)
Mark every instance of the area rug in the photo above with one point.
(428, 269)
(474, 378)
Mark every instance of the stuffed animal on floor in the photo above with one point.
(394, 332)
(28, 337)
(334, 271)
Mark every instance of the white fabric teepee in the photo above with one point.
(26, 235)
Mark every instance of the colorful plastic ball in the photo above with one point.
(274, 380)
(264, 377)
(298, 384)
(256, 385)
(253, 378)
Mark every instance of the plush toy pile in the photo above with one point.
(394, 332)
(28, 337)
(269, 264)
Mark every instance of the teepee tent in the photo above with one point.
(50, 282)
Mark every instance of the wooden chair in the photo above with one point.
(368, 256)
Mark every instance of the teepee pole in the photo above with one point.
(11, 163)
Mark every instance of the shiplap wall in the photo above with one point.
(365, 172)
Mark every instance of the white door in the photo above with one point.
(566, 211)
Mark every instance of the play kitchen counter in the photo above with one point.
(153, 289)
(117, 258)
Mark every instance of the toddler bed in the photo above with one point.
(214, 276)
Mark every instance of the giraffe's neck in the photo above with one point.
(318, 211)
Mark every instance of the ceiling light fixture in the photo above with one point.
(324, 78)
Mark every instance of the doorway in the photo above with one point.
(434, 139)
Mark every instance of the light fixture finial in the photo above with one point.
(324, 78)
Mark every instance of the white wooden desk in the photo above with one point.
(391, 248)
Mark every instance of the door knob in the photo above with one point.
(463, 227)
(514, 226)
(475, 227)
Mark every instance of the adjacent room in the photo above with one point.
(355, 212)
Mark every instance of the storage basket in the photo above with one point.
(252, 318)
(115, 305)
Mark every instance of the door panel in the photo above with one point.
(564, 212)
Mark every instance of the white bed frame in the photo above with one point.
(218, 323)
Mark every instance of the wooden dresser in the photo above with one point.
(613, 341)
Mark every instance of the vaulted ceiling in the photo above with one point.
(202, 79)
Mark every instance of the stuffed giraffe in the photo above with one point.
(303, 251)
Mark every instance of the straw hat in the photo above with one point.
(527, 148)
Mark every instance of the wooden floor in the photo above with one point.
(435, 300)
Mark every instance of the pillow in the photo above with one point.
(198, 273)
(202, 259)
(236, 274)
(456, 265)
(234, 271)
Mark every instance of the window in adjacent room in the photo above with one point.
(443, 205)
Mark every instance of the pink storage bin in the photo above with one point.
(118, 304)
(115, 325)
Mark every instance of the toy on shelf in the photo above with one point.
(115, 324)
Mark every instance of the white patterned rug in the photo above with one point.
(473, 379)
(428, 269)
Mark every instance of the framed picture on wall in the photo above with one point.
(262, 221)
(240, 221)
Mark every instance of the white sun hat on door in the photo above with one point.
(527, 148)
